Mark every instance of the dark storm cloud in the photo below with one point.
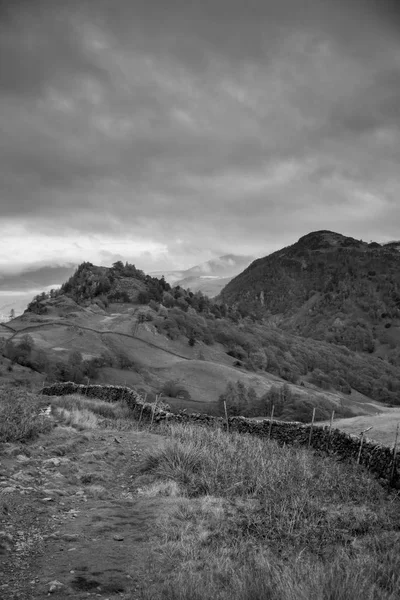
(166, 119)
(40, 43)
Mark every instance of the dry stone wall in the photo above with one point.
(379, 459)
(109, 393)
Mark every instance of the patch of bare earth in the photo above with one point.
(72, 523)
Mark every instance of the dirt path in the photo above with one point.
(72, 524)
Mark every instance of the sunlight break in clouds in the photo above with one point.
(18, 248)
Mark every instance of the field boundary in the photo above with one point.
(381, 460)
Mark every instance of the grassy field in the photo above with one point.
(252, 520)
(383, 425)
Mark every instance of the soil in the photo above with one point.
(72, 521)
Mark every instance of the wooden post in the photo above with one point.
(226, 417)
(311, 428)
(153, 411)
(270, 423)
(330, 427)
(361, 443)
(141, 412)
(395, 452)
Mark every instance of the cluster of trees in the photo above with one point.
(25, 353)
(293, 358)
(287, 405)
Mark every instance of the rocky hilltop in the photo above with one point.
(327, 286)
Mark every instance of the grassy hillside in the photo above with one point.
(103, 349)
(210, 514)
(259, 527)
(119, 325)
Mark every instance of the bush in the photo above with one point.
(20, 418)
(173, 389)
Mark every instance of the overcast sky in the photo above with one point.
(168, 132)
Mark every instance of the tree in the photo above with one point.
(259, 359)
(118, 266)
(168, 300)
(143, 297)
(237, 398)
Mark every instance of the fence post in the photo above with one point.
(154, 410)
(361, 443)
(270, 423)
(394, 452)
(226, 417)
(141, 412)
(330, 428)
(311, 428)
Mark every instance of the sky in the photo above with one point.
(167, 133)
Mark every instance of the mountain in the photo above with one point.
(329, 287)
(209, 277)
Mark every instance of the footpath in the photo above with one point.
(72, 521)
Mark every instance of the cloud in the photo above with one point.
(171, 132)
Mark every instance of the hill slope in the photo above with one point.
(119, 325)
(328, 287)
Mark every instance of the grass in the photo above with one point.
(242, 518)
(252, 520)
(88, 413)
(383, 425)
(20, 416)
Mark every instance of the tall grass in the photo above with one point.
(255, 520)
(88, 413)
(20, 416)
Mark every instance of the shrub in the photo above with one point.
(173, 389)
(20, 418)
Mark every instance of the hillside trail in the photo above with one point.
(72, 522)
(31, 328)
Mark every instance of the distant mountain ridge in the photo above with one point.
(209, 277)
